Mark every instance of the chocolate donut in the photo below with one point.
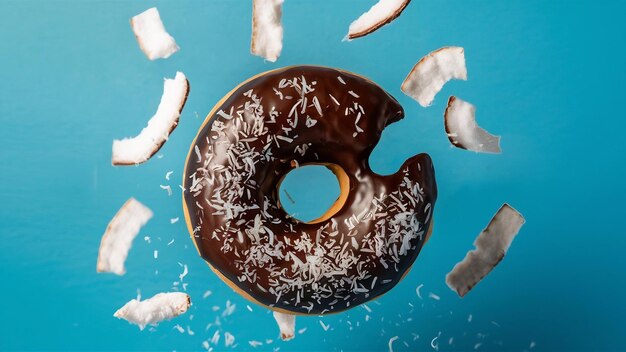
(286, 118)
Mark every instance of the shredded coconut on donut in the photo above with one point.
(382, 13)
(267, 30)
(162, 306)
(430, 74)
(153, 40)
(119, 236)
(314, 276)
(491, 246)
(136, 150)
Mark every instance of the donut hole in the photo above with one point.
(309, 193)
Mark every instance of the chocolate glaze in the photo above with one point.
(297, 116)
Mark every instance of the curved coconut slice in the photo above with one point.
(463, 131)
(433, 71)
(382, 13)
(160, 307)
(119, 236)
(491, 246)
(153, 40)
(286, 324)
(267, 30)
(136, 150)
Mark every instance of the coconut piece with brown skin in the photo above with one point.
(463, 131)
(119, 235)
(286, 324)
(430, 74)
(382, 13)
(136, 150)
(267, 29)
(491, 246)
(151, 35)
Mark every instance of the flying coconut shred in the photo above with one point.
(119, 235)
(153, 40)
(136, 150)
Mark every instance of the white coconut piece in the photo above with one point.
(286, 324)
(153, 40)
(433, 71)
(119, 236)
(267, 29)
(463, 131)
(136, 150)
(382, 13)
(162, 306)
(491, 246)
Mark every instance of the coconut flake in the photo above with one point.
(162, 306)
(391, 341)
(267, 30)
(153, 40)
(286, 324)
(491, 246)
(433, 71)
(136, 150)
(463, 131)
(382, 13)
(119, 236)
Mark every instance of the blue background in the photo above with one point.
(546, 75)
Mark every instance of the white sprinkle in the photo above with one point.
(434, 345)
(495, 323)
(391, 340)
(366, 308)
(324, 326)
(229, 310)
(229, 339)
(185, 271)
(156, 254)
(179, 328)
(301, 331)
(167, 188)
(255, 344)
(417, 290)
(476, 346)
(341, 80)
(353, 94)
(173, 220)
(207, 294)
(249, 308)
(189, 331)
(168, 174)
(532, 344)
(433, 296)
(469, 318)
(147, 239)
